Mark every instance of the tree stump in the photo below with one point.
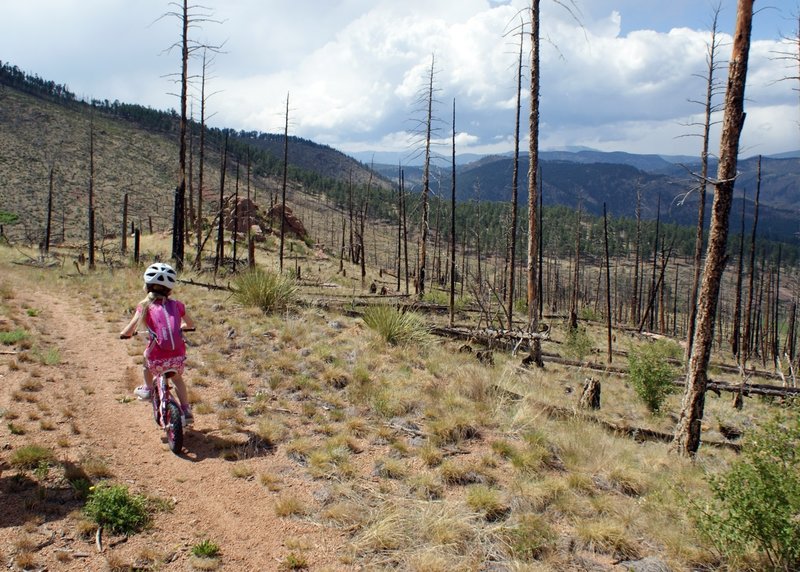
(590, 397)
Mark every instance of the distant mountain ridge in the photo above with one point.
(591, 178)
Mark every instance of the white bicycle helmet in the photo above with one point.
(160, 273)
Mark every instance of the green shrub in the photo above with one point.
(264, 289)
(395, 326)
(442, 298)
(651, 375)
(8, 218)
(50, 356)
(756, 503)
(205, 549)
(114, 507)
(577, 343)
(12, 337)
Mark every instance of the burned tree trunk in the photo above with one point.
(687, 432)
(635, 296)
(533, 189)
(46, 245)
(124, 235)
(748, 317)
(608, 283)
(737, 310)
(512, 229)
(220, 253)
(90, 210)
(590, 396)
(451, 318)
(701, 208)
(424, 223)
(399, 226)
(573, 309)
(652, 295)
(283, 183)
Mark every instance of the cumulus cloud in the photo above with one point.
(613, 76)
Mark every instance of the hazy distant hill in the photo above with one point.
(309, 156)
(593, 177)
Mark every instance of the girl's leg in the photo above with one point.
(144, 391)
(148, 377)
(180, 389)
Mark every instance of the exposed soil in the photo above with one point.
(85, 397)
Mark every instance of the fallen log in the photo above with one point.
(716, 386)
(191, 282)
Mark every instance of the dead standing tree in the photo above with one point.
(189, 16)
(424, 223)
(201, 168)
(748, 317)
(283, 182)
(712, 88)
(452, 256)
(687, 431)
(512, 239)
(533, 189)
(90, 209)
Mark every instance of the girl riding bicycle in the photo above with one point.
(164, 319)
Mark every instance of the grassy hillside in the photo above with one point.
(39, 133)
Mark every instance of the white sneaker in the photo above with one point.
(142, 392)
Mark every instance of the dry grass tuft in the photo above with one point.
(403, 532)
(608, 537)
(271, 481)
(289, 505)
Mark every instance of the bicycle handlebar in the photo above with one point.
(135, 333)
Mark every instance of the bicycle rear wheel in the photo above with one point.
(174, 428)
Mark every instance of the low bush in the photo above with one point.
(755, 504)
(577, 343)
(651, 374)
(115, 508)
(206, 549)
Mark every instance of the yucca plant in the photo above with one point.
(264, 289)
(397, 327)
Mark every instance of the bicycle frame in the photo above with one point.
(167, 412)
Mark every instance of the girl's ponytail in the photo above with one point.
(145, 306)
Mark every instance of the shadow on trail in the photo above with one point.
(26, 499)
(200, 445)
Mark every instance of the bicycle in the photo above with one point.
(166, 409)
(167, 412)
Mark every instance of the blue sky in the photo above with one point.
(617, 75)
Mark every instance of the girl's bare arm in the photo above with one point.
(187, 323)
(130, 329)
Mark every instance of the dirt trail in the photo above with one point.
(210, 502)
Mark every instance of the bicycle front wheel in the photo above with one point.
(174, 428)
